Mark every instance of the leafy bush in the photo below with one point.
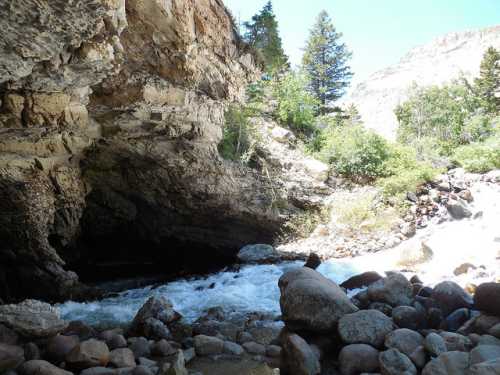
(354, 152)
(407, 180)
(479, 157)
(296, 107)
(239, 137)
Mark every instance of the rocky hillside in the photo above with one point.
(440, 61)
(111, 112)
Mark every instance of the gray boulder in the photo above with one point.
(405, 340)
(152, 319)
(491, 367)
(456, 342)
(59, 346)
(365, 327)
(483, 353)
(258, 253)
(450, 297)
(393, 362)
(122, 357)
(299, 357)
(434, 344)
(358, 358)
(457, 209)
(32, 318)
(449, 363)
(208, 345)
(394, 290)
(309, 301)
(89, 353)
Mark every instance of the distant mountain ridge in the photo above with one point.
(434, 63)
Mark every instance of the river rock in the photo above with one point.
(104, 371)
(258, 253)
(404, 340)
(11, 356)
(153, 317)
(313, 261)
(89, 353)
(456, 319)
(122, 357)
(178, 365)
(32, 318)
(32, 351)
(407, 317)
(59, 346)
(487, 298)
(365, 327)
(395, 290)
(80, 329)
(434, 344)
(457, 209)
(450, 297)
(456, 342)
(232, 348)
(299, 357)
(310, 301)
(361, 280)
(495, 330)
(140, 346)
(449, 363)
(208, 345)
(491, 367)
(38, 367)
(358, 358)
(254, 348)
(393, 362)
(483, 353)
(162, 348)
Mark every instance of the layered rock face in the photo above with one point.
(435, 63)
(111, 112)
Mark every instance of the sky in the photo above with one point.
(378, 32)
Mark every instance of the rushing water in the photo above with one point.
(255, 287)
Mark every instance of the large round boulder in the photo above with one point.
(393, 362)
(450, 297)
(394, 290)
(358, 358)
(365, 327)
(299, 357)
(487, 298)
(152, 319)
(90, 353)
(309, 301)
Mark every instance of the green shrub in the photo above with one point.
(239, 137)
(296, 107)
(479, 157)
(355, 152)
(406, 180)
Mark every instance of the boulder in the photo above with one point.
(491, 367)
(358, 358)
(162, 348)
(178, 365)
(457, 209)
(32, 351)
(456, 342)
(38, 367)
(32, 318)
(140, 347)
(89, 353)
(449, 363)
(232, 348)
(361, 280)
(208, 345)
(311, 302)
(153, 317)
(313, 261)
(80, 329)
(435, 344)
(122, 357)
(365, 327)
(407, 317)
(299, 357)
(483, 353)
(282, 135)
(102, 371)
(404, 340)
(486, 298)
(11, 356)
(395, 290)
(450, 297)
(456, 319)
(393, 362)
(495, 330)
(258, 253)
(254, 348)
(59, 346)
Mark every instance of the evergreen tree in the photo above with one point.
(262, 34)
(325, 61)
(488, 83)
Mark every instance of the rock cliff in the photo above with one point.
(111, 112)
(435, 63)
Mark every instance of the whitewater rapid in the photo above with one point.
(255, 287)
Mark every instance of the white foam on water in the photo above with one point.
(255, 287)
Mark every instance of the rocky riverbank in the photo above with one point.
(368, 324)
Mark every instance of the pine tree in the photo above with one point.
(325, 61)
(262, 34)
(488, 84)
